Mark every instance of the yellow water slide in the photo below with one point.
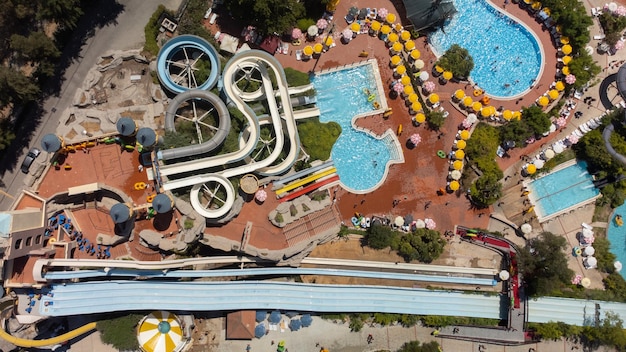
(305, 180)
(47, 342)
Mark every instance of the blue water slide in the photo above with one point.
(182, 43)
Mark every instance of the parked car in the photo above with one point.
(30, 158)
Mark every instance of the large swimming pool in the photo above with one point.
(360, 159)
(561, 190)
(507, 57)
(616, 235)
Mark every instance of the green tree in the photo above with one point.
(37, 46)
(612, 26)
(423, 244)
(487, 189)
(15, 87)
(120, 332)
(64, 12)
(537, 121)
(457, 60)
(574, 20)
(296, 78)
(318, 138)
(584, 67)
(379, 237)
(591, 148)
(435, 119)
(269, 16)
(516, 131)
(544, 266)
(416, 346)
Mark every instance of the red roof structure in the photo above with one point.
(240, 325)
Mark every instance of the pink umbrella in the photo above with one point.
(347, 33)
(621, 11)
(429, 86)
(398, 87)
(570, 79)
(619, 45)
(416, 139)
(561, 122)
(261, 195)
(576, 280)
(466, 123)
(573, 139)
(322, 23)
(296, 33)
(383, 12)
(430, 223)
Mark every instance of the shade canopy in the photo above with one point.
(275, 317)
(415, 54)
(120, 213)
(146, 137)
(459, 154)
(455, 175)
(457, 165)
(162, 203)
(160, 331)
(295, 324)
(420, 118)
(259, 331)
(398, 221)
(459, 94)
(126, 126)
(589, 251)
(51, 143)
(566, 49)
(306, 320)
(464, 134)
(531, 169)
(454, 185)
(433, 98)
(461, 144)
(261, 315)
(560, 86)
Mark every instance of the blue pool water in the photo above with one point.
(507, 57)
(360, 159)
(617, 236)
(562, 189)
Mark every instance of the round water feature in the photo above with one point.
(507, 55)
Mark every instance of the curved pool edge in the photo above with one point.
(396, 155)
(530, 31)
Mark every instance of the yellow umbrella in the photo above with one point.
(405, 80)
(438, 68)
(328, 41)
(566, 49)
(543, 101)
(385, 29)
(317, 48)
(433, 98)
(559, 28)
(457, 165)
(536, 5)
(461, 144)
(413, 98)
(517, 115)
(486, 111)
(408, 90)
(464, 134)
(468, 101)
(420, 118)
(408, 46)
(415, 54)
(459, 94)
(375, 26)
(416, 106)
(507, 115)
(564, 40)
(559, 86)
(395, 60)
(391, 18)
(405, 35)
(447, 75)
(308, 50)
(331, 6)
(553, 94)
(566, 59)
(476, 106)
(397, 47)
(459, 154)
(547, 11)
(393, 38)
(531, 169)
(401, 69)
(454, 185)
(355, 26)
(565, 70)
(398, 27)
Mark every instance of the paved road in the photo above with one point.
(124, 29)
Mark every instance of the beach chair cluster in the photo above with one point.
(34, 297)
(84, 245)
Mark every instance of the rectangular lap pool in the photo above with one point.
(567, 187)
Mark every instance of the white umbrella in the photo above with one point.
(399, 221)
(538, 163)
(312, 31)
(617, 265)
(589, 251)
(587, 233)
(548, 154)
(552, 128)
(504, 275)
(455, 175)
(585, 282)
(591, 262)
(526, 228)
(424, 75)
(420, 224)
(472, 118)
(612, 7)
(419, 64)
(558, 148)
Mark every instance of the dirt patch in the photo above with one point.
(135, 115)
(91, 124)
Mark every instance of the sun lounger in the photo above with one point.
(578, 134)
(213, 18)
(583, 128)
(298, 55)
(599, 37)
